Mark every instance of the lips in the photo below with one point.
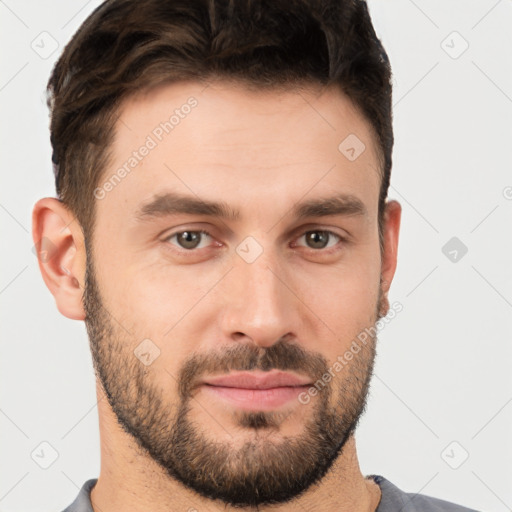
(256, 390)
(258, 380)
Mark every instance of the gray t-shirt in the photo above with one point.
(392, 500)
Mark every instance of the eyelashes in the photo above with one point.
(190, 241)
(189, 237)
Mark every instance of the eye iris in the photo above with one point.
(317, 239)
(189, 239)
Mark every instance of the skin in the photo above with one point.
(261, 153)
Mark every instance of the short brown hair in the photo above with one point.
(126, 46)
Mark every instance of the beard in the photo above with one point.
(267, 469)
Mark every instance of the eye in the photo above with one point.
(320, 239)
(189, 240)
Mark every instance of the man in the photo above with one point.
(222, 228)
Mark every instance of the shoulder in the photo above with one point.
(393, 497)
(82, 502)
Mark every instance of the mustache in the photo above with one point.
(282, 355)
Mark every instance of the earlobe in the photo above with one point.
(59, 244)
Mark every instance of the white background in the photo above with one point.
(443, 370)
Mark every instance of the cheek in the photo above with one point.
(142, 284)
(345, 291)
(169, 305)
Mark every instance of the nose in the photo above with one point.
(259, 304)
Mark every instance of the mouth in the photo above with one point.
(262, 391)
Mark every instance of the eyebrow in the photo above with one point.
(172, 203)
(340, 204)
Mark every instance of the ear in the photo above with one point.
(391, 229)
(59, 244)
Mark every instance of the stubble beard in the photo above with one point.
(268, 468)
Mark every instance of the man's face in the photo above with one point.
(280, 290)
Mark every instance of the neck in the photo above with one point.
(131, 480)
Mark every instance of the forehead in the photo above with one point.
(223, 140)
